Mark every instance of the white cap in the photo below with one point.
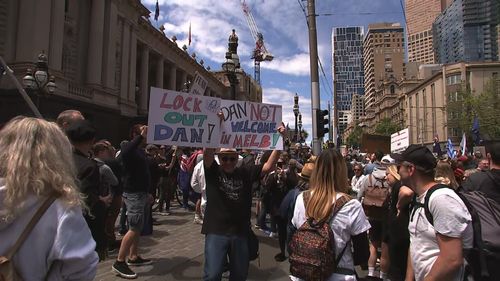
(387, 160)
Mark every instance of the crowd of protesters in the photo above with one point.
(370, 202)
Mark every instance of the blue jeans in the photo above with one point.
(217, 249)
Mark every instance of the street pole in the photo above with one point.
(313, 51)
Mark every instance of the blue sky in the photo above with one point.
(284, 27)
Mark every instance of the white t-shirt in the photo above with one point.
(349, 221)
(356, 183)
(451, 218)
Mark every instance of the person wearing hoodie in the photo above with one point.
(35, 163)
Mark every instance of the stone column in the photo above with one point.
(33, 30)
(111, 47)
(132, 65)
(124, 79)
(56, 35)
(172, 79)
(143, 100)
(94, 59)
(159, 73)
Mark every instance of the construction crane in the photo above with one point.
(260, 52)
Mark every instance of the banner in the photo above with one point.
(250, 125)
(182, 119)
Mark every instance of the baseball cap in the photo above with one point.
(387, 160)
(418, 155)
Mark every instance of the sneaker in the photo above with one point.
(273, 234)
(197, 220)
(122, 269)
(225, 274)
(139, 261)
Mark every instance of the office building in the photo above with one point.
(347, 64)
(467, 31)
(383, 57)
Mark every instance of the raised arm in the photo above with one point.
(275, 155)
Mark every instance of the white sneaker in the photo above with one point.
(197, 220)
(273, 234)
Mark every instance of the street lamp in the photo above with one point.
(230, 68)
(38, 81)
(296, 113)
(300, 127)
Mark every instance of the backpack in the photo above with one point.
(312, 247)
(376, 199)
(485, 214)
(8, 271)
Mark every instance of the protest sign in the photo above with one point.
(183, 119)
(199, 85)
(250, 125)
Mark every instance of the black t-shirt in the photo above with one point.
(229, 200)
(488, 182)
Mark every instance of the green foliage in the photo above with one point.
(354, 139)
(463, 107)
(386, 127)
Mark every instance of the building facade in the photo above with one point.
(420, 14)
(426, 107)
(105, 56)
(347, 64)
(467, 31)
(383, 57)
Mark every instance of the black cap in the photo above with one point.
(418, 155)
(80, 131)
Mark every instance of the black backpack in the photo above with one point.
(485, 214)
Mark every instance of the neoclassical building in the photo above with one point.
(105, 55)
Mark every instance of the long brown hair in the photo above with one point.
(328, 178)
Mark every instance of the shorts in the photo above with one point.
(137, 209)
(378, 231)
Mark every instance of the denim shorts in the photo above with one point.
(136, 204)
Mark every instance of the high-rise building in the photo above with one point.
(347, 64)
(383, 56)
(420, 14)
(357, 107)
(467, 31)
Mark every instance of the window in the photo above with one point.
(393, 89)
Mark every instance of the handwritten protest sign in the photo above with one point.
(182, 119)
(250, 125)
(199, 85)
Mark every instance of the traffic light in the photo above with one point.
(321, 122)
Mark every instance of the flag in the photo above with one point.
(450, 150)
(189, 35)
(157, 11)
(463, 144)
(437, 147)
(475, 132)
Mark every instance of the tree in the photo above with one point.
(386, 127)
(354, 139)
(463, 106)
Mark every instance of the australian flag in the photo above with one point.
(476, 137)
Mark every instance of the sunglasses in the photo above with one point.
(230, 159)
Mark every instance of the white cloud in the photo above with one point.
(285, 99)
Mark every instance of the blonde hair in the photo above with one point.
(36, 158)
(328, 178)
(445, 175)
(393, 170)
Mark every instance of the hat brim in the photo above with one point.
(398, 158)
(303, 177)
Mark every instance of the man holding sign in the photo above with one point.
(227, 218)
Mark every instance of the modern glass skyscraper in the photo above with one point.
(467, 31)
(347, 64)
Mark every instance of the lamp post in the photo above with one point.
(230, 68)
(41, 81)
(300, 127)
(296, 113)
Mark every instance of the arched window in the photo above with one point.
(393, 89)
